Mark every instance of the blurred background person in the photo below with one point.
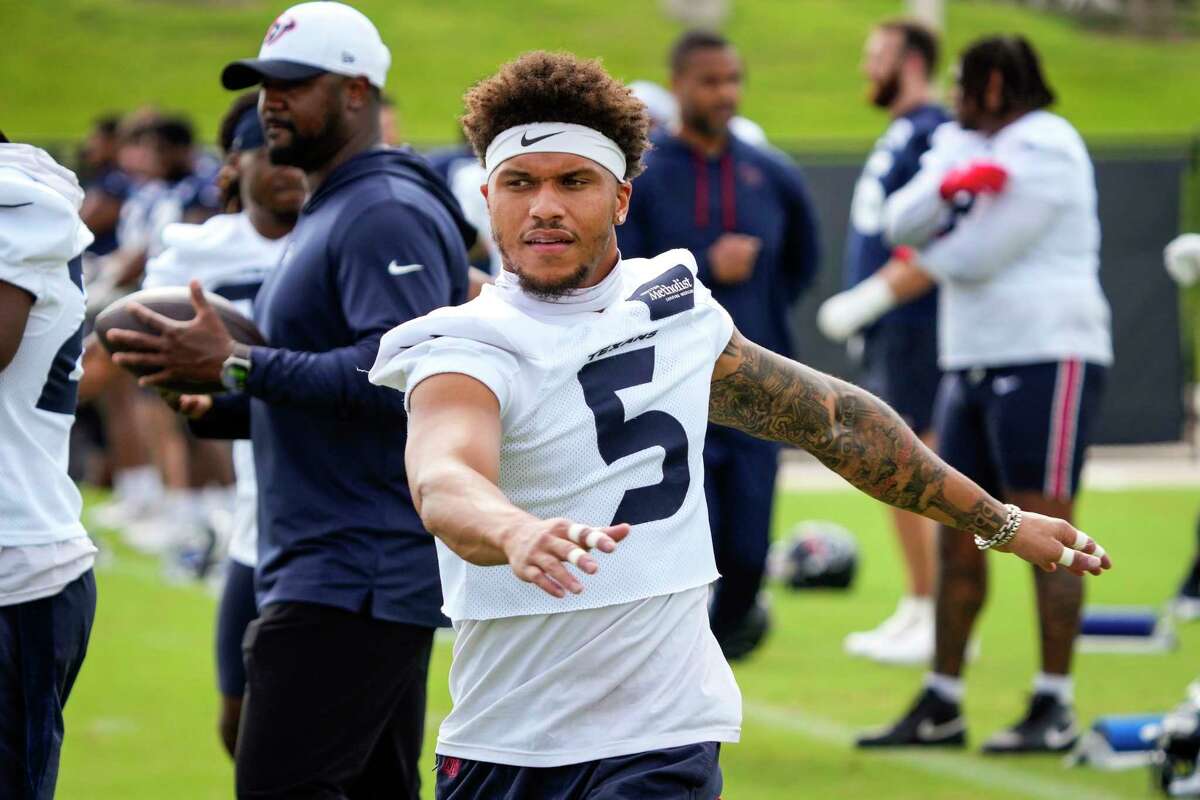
(106, 185)
(389, 121)
(47, 588)
(1024, 338)
(230, 254)
(744, 212)
(1182, 259)
(899, 345)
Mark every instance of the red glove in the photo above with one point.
(975, 178)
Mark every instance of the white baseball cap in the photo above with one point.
(309, 39)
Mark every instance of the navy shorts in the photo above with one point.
(1021, 428)
(690, 772)
(236, 612)
(42, 646)
(900, 366)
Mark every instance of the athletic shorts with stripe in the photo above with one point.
(1020, 428)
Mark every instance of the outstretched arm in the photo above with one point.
(859, 437)
(453, 461)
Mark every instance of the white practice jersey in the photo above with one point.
(41, 238)
(1019, 270)
(604, 404)
(230, 258)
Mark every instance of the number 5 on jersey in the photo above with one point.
(617, 437)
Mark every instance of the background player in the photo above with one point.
(745, 213)
(1024, 338)
(576, 393)
(230, 255)
(900, 347)
(47, 589)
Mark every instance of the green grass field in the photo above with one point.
(69, 60)
(141, 723)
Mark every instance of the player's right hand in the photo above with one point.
(540, 550)
(1051, 543)
(977, 177)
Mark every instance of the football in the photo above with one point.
(174, 302)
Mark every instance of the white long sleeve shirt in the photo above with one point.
(1019, 270)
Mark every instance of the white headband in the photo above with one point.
(555, 137)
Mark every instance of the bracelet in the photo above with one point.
(1007, 532)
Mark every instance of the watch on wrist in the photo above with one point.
(235, 371)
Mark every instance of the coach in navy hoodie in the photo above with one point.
(347, 577)
(745, 214)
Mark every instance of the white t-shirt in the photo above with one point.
(604, 404)
(43, 545)
(1019, 271)
(230, 258)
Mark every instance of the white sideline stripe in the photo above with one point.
(964, 768)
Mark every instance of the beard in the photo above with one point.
(309, 152)
(551, 288)
(884, 93)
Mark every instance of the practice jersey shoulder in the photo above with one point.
(225, 253)
(604, 411)
(41, 238)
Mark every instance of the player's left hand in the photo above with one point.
(193, 350)
(1052, 543)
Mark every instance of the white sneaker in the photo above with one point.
(118, 514)
(911, 645)
(1185, 608)
(862, 643)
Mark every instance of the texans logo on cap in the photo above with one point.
(278, 28)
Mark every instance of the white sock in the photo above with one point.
(948, 687)
(920, 607)
(138, 484)
(1060, 686)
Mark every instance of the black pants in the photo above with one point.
(42, 645)
(334, 705)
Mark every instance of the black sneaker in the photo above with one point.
(932, 722)
(1048, 727)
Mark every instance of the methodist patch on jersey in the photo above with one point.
(670, 293)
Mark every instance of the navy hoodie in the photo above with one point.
(685, 199)
(382, 241)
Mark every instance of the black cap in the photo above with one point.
(250, 71)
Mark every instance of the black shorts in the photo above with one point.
(1020, 428)
(900, 365)
(691, 772)
(236, 611)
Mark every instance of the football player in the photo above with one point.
(47, 589)
(1024, 338)
(1182, 259)
(230, 254)
(899, 340)
(564, 411)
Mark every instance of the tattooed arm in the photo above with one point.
(859, 437)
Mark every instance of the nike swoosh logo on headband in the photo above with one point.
(526, 141)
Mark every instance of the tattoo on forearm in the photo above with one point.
(849, 430)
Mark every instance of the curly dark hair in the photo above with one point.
(557, 87)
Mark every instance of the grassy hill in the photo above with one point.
(67, 61)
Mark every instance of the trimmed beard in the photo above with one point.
(883, 94)
(548, 290)
(310, 153)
